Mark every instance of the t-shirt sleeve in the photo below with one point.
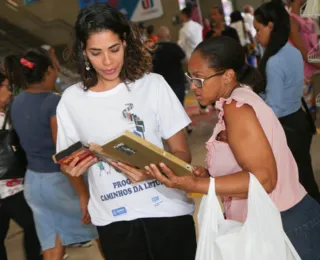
(171, 115)
(67, 134)
(50, 105)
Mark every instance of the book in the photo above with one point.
(78, 149)
(129, 149)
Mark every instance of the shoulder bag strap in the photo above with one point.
(309, 116)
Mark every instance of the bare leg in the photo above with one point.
(55, 253)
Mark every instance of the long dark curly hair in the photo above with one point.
(99, 17)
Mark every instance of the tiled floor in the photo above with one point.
(203, 125)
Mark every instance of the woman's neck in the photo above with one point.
(228, 91)
(295, 8)
(37, 88)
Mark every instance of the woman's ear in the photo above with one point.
(228, 77)
(270, 26)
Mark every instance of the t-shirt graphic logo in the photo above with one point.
(103, 169)
(139, 131)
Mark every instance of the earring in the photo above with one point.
(87, 65)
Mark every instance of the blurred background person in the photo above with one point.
(304, 37)
(248, 17)
(190, 35)
(13, 205)
(56, 208)
(151, 37)
(206, 27)
(143, 31)
(168, 61)
(219, 28)
(242, 28)
(245, 36)
(282, 69)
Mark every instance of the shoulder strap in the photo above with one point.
(309, 116)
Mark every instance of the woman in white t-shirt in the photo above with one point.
(13, 205)
(137, 217)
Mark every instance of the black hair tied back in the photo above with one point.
(223, 53)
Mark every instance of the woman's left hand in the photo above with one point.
(134, 175)
(169, 179)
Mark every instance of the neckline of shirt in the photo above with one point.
(106, 93)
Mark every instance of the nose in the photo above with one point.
(106, 59)
(193, 87)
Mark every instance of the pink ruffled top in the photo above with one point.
(221, 161)
(309, 37)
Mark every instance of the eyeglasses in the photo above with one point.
(198, 83)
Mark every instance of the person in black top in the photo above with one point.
(168, 59)
(219, 28)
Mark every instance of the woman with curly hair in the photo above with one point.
(137, 217)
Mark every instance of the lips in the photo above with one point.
(109, 72)
(198, 97)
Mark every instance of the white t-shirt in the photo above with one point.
(147, 107)
(242, 29)
(248, 19)
(190, 35)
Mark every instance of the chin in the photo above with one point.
(205, 102)
(112, 77)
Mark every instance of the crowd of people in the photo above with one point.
(265, 127)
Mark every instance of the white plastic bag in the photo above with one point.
(260, 237)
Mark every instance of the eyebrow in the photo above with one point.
(112, 46)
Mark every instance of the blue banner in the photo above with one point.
(135, 10)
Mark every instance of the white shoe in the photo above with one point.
(65, 256)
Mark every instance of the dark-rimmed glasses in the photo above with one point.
(198, 82)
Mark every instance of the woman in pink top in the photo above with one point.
(304, 37)
(247, 138)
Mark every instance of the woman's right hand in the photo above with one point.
(76, 169)
(200, 171)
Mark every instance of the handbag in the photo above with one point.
(261, 236)
(13, 159)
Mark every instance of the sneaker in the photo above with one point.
(65, 256)
(85, 244)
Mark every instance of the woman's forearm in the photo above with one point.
(183, 155)
(233, 185)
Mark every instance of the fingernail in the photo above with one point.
(152, 165)
(162, 164)
(147, 168)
